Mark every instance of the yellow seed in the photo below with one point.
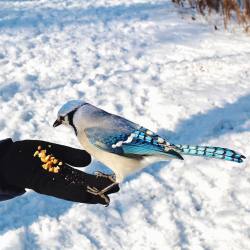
(36, 153)
(50, 164)
(43, 159)
(45, 166)
(47, 157)
(56, 169)
(60, 163)
(43, 154)
(51, 169)
(55, 161)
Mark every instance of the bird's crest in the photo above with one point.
(70, 106)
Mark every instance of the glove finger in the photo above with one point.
(82, 178)
(72, 156)
(85, 180)
(63, 187)
(114, 189)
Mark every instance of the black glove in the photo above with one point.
(19, 169)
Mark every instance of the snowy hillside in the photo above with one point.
(150, 62)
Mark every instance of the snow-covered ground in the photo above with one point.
(150, 62)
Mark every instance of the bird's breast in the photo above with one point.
(120, 165)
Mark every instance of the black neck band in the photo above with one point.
(70, 116)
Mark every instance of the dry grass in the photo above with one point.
(240, 9)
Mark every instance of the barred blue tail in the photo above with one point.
(212, 152)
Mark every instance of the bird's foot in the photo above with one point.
(110, 177)
(95, 191)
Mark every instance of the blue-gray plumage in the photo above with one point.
(125, 146)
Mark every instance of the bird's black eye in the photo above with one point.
(61, 118)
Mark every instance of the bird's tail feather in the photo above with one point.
(212, 152)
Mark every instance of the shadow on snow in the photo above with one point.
(40, 17)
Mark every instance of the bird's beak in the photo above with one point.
(57, 123)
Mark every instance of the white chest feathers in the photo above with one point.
(120, 165)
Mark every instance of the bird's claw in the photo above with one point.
(95, 191)
(110, 177)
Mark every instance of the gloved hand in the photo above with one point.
(19, 169)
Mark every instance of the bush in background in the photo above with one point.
(240, 9)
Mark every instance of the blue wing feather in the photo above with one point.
(105, 138)
(143, 143)
(141, 148)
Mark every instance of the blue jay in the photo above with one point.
(124, 146)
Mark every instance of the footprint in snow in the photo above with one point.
(8, 91)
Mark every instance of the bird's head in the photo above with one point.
(66, 113)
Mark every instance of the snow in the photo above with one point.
(150, 62)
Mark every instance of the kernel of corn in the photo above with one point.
(60, 163)
(45, 166)
(36, 153)
(56, 170)
(47, 157)
(55, 161)
(44, 160)
(42, 155)
(51, 169)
